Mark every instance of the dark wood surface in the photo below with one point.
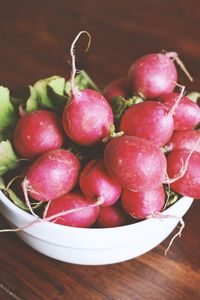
(35, 37)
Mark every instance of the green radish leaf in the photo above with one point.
(59, 101)
(37, 205)
(47, 93)
(119, 104)
(194, 96)
(8, 158)
(16, 102)
(8, 114)
(40, 88)
(2, 184)
(32, 103)
(172, 197)
(56, 83)
(20, 203)
(16, 200)
(53, 93)
(82, 81)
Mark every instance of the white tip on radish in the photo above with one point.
(74, 90)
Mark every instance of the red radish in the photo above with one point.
(187, 114)
(189, 184)
(52, 175)
(38, 132)
(118, 87)
(135, 163)
(155, 74)
(149, 120)
(111, 216)
(84, 213)
(95, 182)
(87, 117)
(140, 205)
(184, 139)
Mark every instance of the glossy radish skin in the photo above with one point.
(87, 117)
(81, 218)
(187, 114)
(152, 75)
(52, 175)
(111, 216)
(118, 87)
(149, 120)
(184, 139)
(189, 184)
(140, 205)
(95, 182)
(38, 132)
(135, 163)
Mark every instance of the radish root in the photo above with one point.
(100, 200)
(11, 182)
(26, 187)
(74, 90)
(183, 168)
(161, 216)
(174, 56)
(177, 234)
(174, 107)
(20, 228)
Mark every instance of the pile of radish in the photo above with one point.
(78, 157)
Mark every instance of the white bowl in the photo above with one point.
(93, 246)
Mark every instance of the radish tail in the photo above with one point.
(159, 215)
(25, 188)
(179, 62)
(178, 99)
(74, 90)
(183, 168)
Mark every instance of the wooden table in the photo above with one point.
(35, 39)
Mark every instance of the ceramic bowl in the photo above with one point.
(93, 246)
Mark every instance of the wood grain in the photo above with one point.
(35, 39)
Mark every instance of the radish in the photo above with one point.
(111, 216)
(187, 114)
(135, 163)
(154, 74)
(184, 139)
(38, 132)
(87, 117)
(52, 175)
(189, 183)
(141, 205)
(118, 87)
(95, 182)
(77, 210)
(149, 120)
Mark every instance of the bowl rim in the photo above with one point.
(8, 203)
